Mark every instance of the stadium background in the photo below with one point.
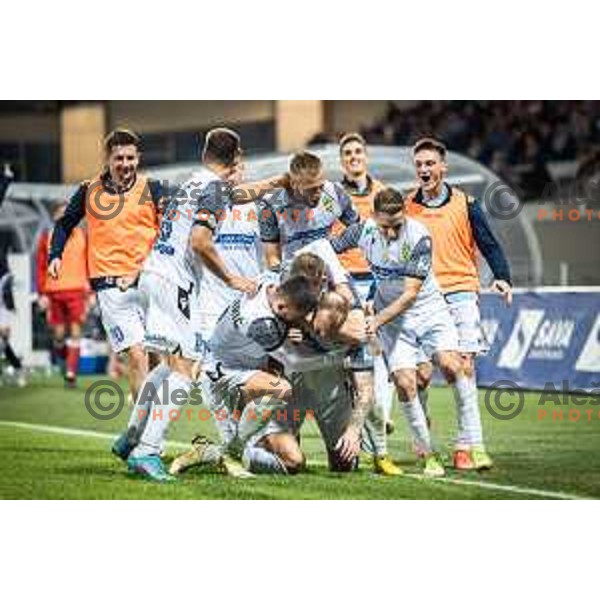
(547, 154)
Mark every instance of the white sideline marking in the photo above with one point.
(481, 484)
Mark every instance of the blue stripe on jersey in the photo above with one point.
(309, 236)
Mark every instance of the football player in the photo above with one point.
(458, 229)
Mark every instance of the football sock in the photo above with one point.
(161, 414)
(384, 391)
(146, 401)
(469, 419)
(423, 394)
(415, 417)
(374, 438)
(72, 358)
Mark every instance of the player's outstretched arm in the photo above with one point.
(252, 191)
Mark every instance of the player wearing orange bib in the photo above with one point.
(64, 299)
(121, 209)
(458, 229)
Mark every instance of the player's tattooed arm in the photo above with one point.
(348, 445)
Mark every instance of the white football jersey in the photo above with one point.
(294, 224)
(247, 332)
(238, 244)
(391, 262)
(171, 256)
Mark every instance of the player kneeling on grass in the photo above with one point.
(244, 389)
(410, 311)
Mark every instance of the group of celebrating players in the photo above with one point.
(285, 298)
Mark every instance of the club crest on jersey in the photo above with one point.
(405, 252)
(328, 203)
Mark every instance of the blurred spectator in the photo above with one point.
(520, 137)
(7, 302)
(65, 299)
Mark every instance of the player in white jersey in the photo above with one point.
(238, 244)
(169, 285)
(246, 388)
(305, 211)
(410, 311)
(318, 372)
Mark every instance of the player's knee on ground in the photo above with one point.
(450, 365)
(424, 375)
(339, 465)
(405, 381)
(286, 447)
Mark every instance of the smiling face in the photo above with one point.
(430, 169)
(123, 162)
(353, 156)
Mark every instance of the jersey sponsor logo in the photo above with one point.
(235, 239)
(589, 359)
(381, 272)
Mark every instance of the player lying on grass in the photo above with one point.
(410, 312)
(458, 228)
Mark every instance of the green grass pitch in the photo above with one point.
(51, 447)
